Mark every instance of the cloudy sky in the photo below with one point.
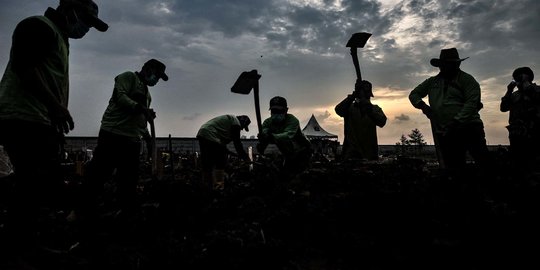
(299, 48)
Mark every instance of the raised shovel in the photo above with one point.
(246, 81)
(357, 40)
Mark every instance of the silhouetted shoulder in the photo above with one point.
(126, 76)
(466, 77)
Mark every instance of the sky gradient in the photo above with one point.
(299, 49)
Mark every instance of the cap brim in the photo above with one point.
(164, 76)
(98, 24)
(246, 129)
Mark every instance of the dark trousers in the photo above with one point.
(113, 152)
(457, 142)
(524, 154)
(34, 151)
(297, 162)
(213, 155)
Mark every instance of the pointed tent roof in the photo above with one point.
(313, 130)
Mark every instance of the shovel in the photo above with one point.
(246, 81)
(153, 146)
(357, 40)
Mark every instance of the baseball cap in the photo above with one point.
(278, 102)
(87, 10)
(158, 66)
(244, 121)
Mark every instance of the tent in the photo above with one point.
(322, 141)
(313, 130)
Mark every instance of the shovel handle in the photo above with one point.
(354, 55)
(257, 106)
(153, 146)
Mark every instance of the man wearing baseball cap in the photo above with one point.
(34, 93)
(124, 126)
(213, 136)
(283, 130)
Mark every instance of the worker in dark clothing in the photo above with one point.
(454, 105)
(34, 95)
(361, 121)
(524, 120)
(213, 137)
(123, 129)
(283, 130)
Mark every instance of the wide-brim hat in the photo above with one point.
(447, 55)
(158, 67)
(87, 10)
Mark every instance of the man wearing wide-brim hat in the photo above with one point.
(454, 104)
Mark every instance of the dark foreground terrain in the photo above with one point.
(393, 214)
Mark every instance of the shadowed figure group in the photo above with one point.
(34, 116)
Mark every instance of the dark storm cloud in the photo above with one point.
(207, 43)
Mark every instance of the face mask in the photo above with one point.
(77, 30)
(278, 118)
(151, 79)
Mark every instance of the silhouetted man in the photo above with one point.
(213, 137)
(454, 103)
(123, 127)
(283, 130)
(361, 119)
(524, 119)
(34, 111)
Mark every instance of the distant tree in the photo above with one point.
(414, 142)
(403, 145)
(416, 138)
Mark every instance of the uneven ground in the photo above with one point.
(393, 214)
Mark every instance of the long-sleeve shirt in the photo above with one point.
(286, 134)
(360, 128)
(222, 130)
(524, 107)
(120, 117)
(36, 79)
(458, 99)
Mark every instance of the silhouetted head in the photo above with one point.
(244, 122)
(363, 89)
(448, 62)
(152, 71)
(523, 73)
(278, 108)
(278, 104)
(81, 15)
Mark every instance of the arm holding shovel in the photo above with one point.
(150, 139)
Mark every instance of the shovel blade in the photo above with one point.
(245, 82)
(358, 40)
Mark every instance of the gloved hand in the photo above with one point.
(511, 86)
(426, 109)
(365, 105)
(61, 119)
(150, 114)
